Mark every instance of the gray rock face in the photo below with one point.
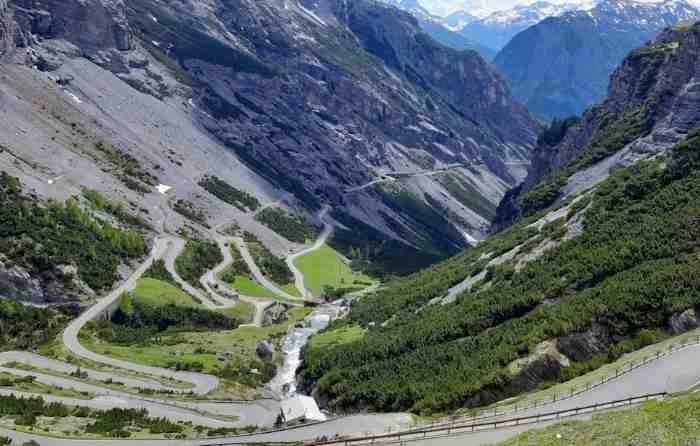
(57, 287)
(658, 82)
(543, 366)
(686, 321)
(17, 284)
(8, 29)
(582, 347)
(91, 25)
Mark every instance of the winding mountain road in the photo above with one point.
(675, 372)
(390, 177)
(320, 241)
(257, 273)
(203, 384)
(170, 256)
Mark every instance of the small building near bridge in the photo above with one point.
(300, 408)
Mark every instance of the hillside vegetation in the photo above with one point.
(23, 327)
(632, 267)
(656, 422)
(293, 228)
(229, 194)
(198, 257)
(41, 236)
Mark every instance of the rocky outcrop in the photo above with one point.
(652, 103)
(51, 30)
(686, 321)
(276, 314)
(8, 29)
(543, 365)
(584, 346)
(91, 25)
(56, 287)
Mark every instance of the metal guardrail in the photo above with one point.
(574, 391)
(444, 425)
(459, 428)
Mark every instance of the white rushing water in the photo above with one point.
(284, 384)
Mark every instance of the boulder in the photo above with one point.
(275, 314)
(265, 350)
(685, 321)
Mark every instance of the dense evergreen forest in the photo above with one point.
(198, 257)
(23, 327)
(292, 227)
(229, 194)
(631, 269)
(39, 236)
(135, 322)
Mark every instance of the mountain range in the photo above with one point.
(309, 102)
(560, 66)
(245, 202)
(497, 29)
(596, 260)
(473, 28)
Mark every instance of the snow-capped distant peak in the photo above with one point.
(535, 12)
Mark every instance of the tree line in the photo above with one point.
(633, 268)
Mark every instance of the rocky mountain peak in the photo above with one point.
(346, 103)
(91, 25)
(562, 65)
(651, 105)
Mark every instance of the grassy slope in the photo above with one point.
(243, 311)
(339, 336)
(672, 422)
(249, 287)
(204, 347)
(324, 267)
(242, 278)
(156, 292)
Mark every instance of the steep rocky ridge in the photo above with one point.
(442, 29)
(325, 95)
(293, 102)
(561, 66)
(498, 28)
(651, 104)
(606, 270)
